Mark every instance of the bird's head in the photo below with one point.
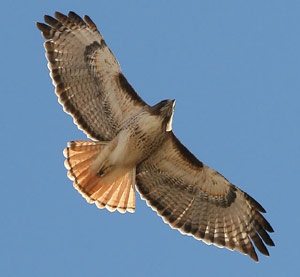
(165, 109)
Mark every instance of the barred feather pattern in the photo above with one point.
(87, 77)
(200, 202)
(187, 194)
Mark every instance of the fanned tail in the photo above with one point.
(117, 194)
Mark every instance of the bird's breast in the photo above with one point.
(138, 139)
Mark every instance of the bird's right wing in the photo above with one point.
(87, 77)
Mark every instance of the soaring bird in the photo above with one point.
(133, 146)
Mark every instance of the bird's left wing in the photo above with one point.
(87, 77)
(199, 201)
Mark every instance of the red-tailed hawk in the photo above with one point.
(133, 145)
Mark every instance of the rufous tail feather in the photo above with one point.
(118, 194)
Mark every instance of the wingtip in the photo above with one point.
(60, 16)
(90, 22)
(39, 25)
(45, 29)
(254, 257)
(272, 243)
(76, 18)
(268, 227)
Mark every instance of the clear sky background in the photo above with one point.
(232, 66)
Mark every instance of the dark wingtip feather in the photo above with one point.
(45, 29)
(253, 256)
(60, 17)
(268, 226)
(265, 236)
(271, 242)
(73, 14)
(259, 244)
(52, 21)
(76, 18)
(90, 22)
(42, 26)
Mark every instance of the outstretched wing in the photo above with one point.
(87, 77)
(199, 201)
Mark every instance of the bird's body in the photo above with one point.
(133, 146)
(136, 140)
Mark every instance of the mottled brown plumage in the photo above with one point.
(134, 146)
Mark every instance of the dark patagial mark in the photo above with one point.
(186, 154)
(129, 89)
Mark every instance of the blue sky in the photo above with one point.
(233, 68)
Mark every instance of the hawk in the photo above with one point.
(133, 146)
